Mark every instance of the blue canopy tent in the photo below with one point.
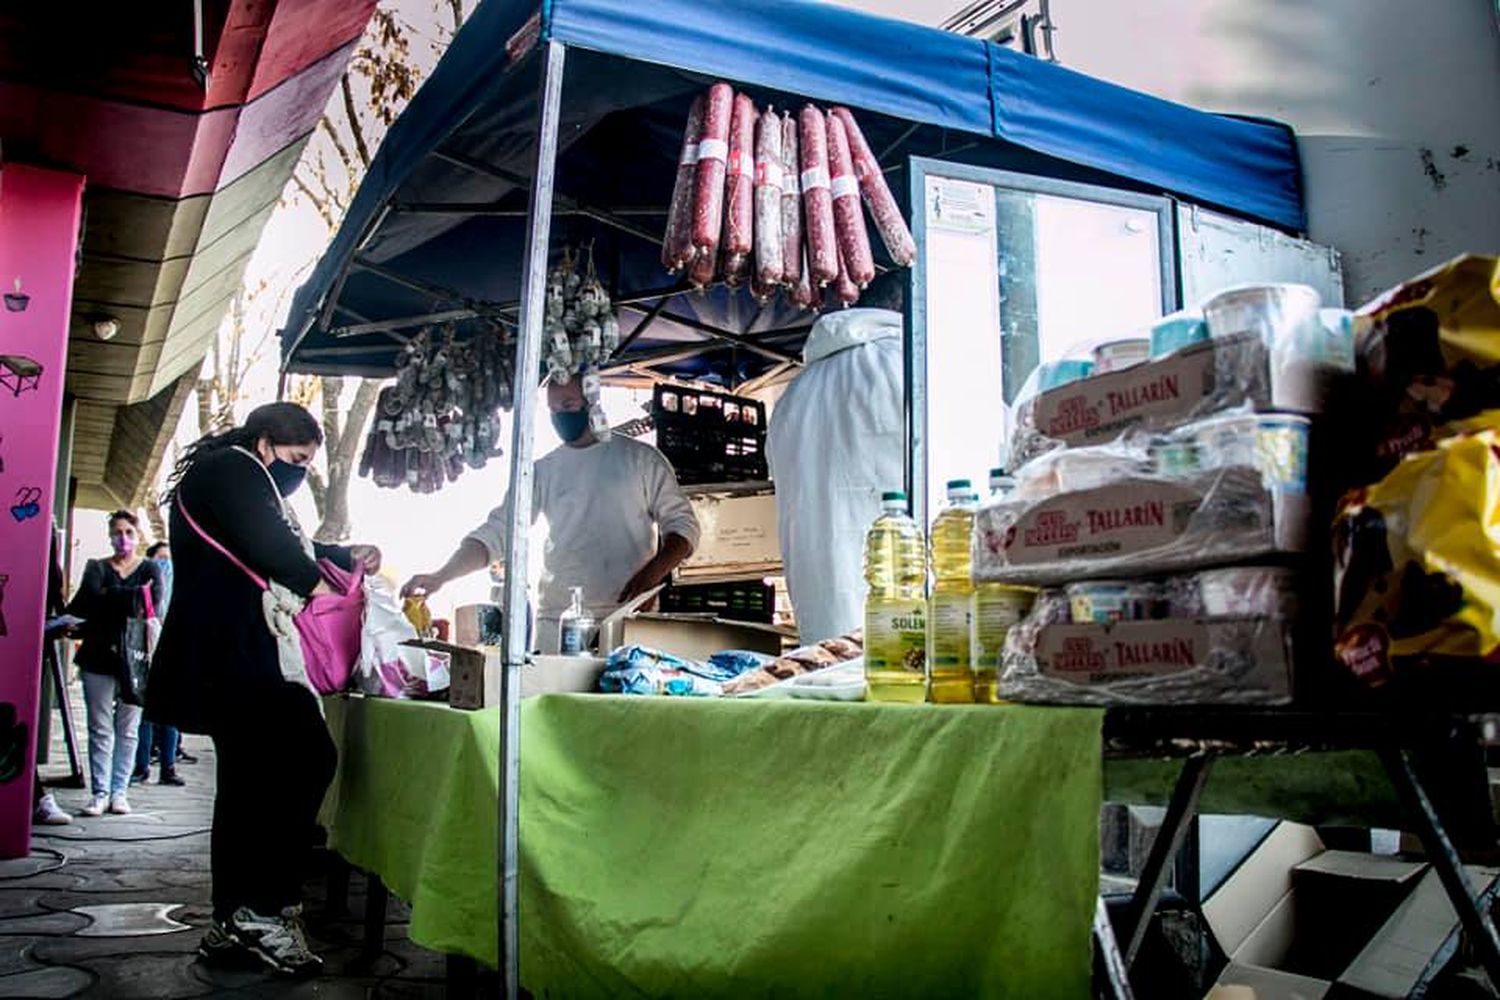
(438, 227)
(502, 158)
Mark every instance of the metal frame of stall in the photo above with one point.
(543, 203)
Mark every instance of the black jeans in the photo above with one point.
(275, 762)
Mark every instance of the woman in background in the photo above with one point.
(218, 671)
(153, 738)
(113, 590)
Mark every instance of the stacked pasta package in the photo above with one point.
(1163, 505)
(1417, 548)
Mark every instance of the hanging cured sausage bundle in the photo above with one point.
(768, 172)
(774, 201)
(856, 264)
(677, 248)
(877, 194)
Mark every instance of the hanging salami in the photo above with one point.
(817, 201)
(856, 262)
(768, 172)
(877, 194)
(677, 249)
(791, 205)
(739, 187)
(844, 290)
(713, 151)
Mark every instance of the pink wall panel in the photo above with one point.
(39, 217)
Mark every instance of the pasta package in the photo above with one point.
(1417, 559)
(1428, 353)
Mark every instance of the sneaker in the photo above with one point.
(96, 806)
(139, 777)
(183, 757)
(119, 805)
(170, 778)
(278, 941)
(48, 812)
(219, 946)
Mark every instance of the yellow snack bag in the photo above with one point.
(1417, 558)
(419, 614)
(1428, 353)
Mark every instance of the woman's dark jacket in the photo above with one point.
(104, 601)
(216, 646)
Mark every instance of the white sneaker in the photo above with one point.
(48, 812)
(278, 941)
(119, 805)
(96, 806)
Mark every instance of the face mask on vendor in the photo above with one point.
(569, 411)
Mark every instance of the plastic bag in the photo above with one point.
(642, 670)
(1417, 558)
(388, 669)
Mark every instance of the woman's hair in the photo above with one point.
(127, 517)
(279, 423)
(154, 548)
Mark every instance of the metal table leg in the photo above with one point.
(1182, 808)
(1111, 978)
(1476, 921)
(376, 898)
(463, 976)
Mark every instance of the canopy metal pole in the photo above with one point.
(518, 528)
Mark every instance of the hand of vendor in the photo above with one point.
(368, 555)
(470, 556)
(674, 549)
(423, 585)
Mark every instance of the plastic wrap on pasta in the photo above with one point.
(1428, 353)
(1237, 371)
(1244, 658)
(1417, 558)
(1121, 511)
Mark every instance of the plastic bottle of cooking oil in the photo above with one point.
(895, 604)
(949, 678)
(997, 606)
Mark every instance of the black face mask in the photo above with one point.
(570, 424)
(288, 477)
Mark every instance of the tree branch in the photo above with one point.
(326, 124)
(355, 128)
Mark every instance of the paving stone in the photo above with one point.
(43, 923)
(133, 975)
(46, 983)
(15, 956)
(129, 920)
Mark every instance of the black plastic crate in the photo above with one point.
(740, 601)
(710, 437)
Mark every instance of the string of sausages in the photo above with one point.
(773, 201)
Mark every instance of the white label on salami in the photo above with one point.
(689, 155)
(713, 149)
(814, 178)
(768, 172)
(844, 185)
(739, 165)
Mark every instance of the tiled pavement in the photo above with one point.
(68, 929)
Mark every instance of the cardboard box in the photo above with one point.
(1172, 662)
(1138, 525)
(1300, 922)
(739, 538)
(474, 674)
(697, 637)
(1159, 395)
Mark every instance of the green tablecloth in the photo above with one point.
(675, 847)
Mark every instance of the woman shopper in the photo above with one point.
(218, 671)
(113, 590)
(155, 739)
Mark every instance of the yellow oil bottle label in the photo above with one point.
(896, 635)
(996, 610)
(949, 622)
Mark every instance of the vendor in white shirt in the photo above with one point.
(618, 523)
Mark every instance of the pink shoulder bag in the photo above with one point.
(329, 625)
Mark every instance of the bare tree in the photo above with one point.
(380, 80)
